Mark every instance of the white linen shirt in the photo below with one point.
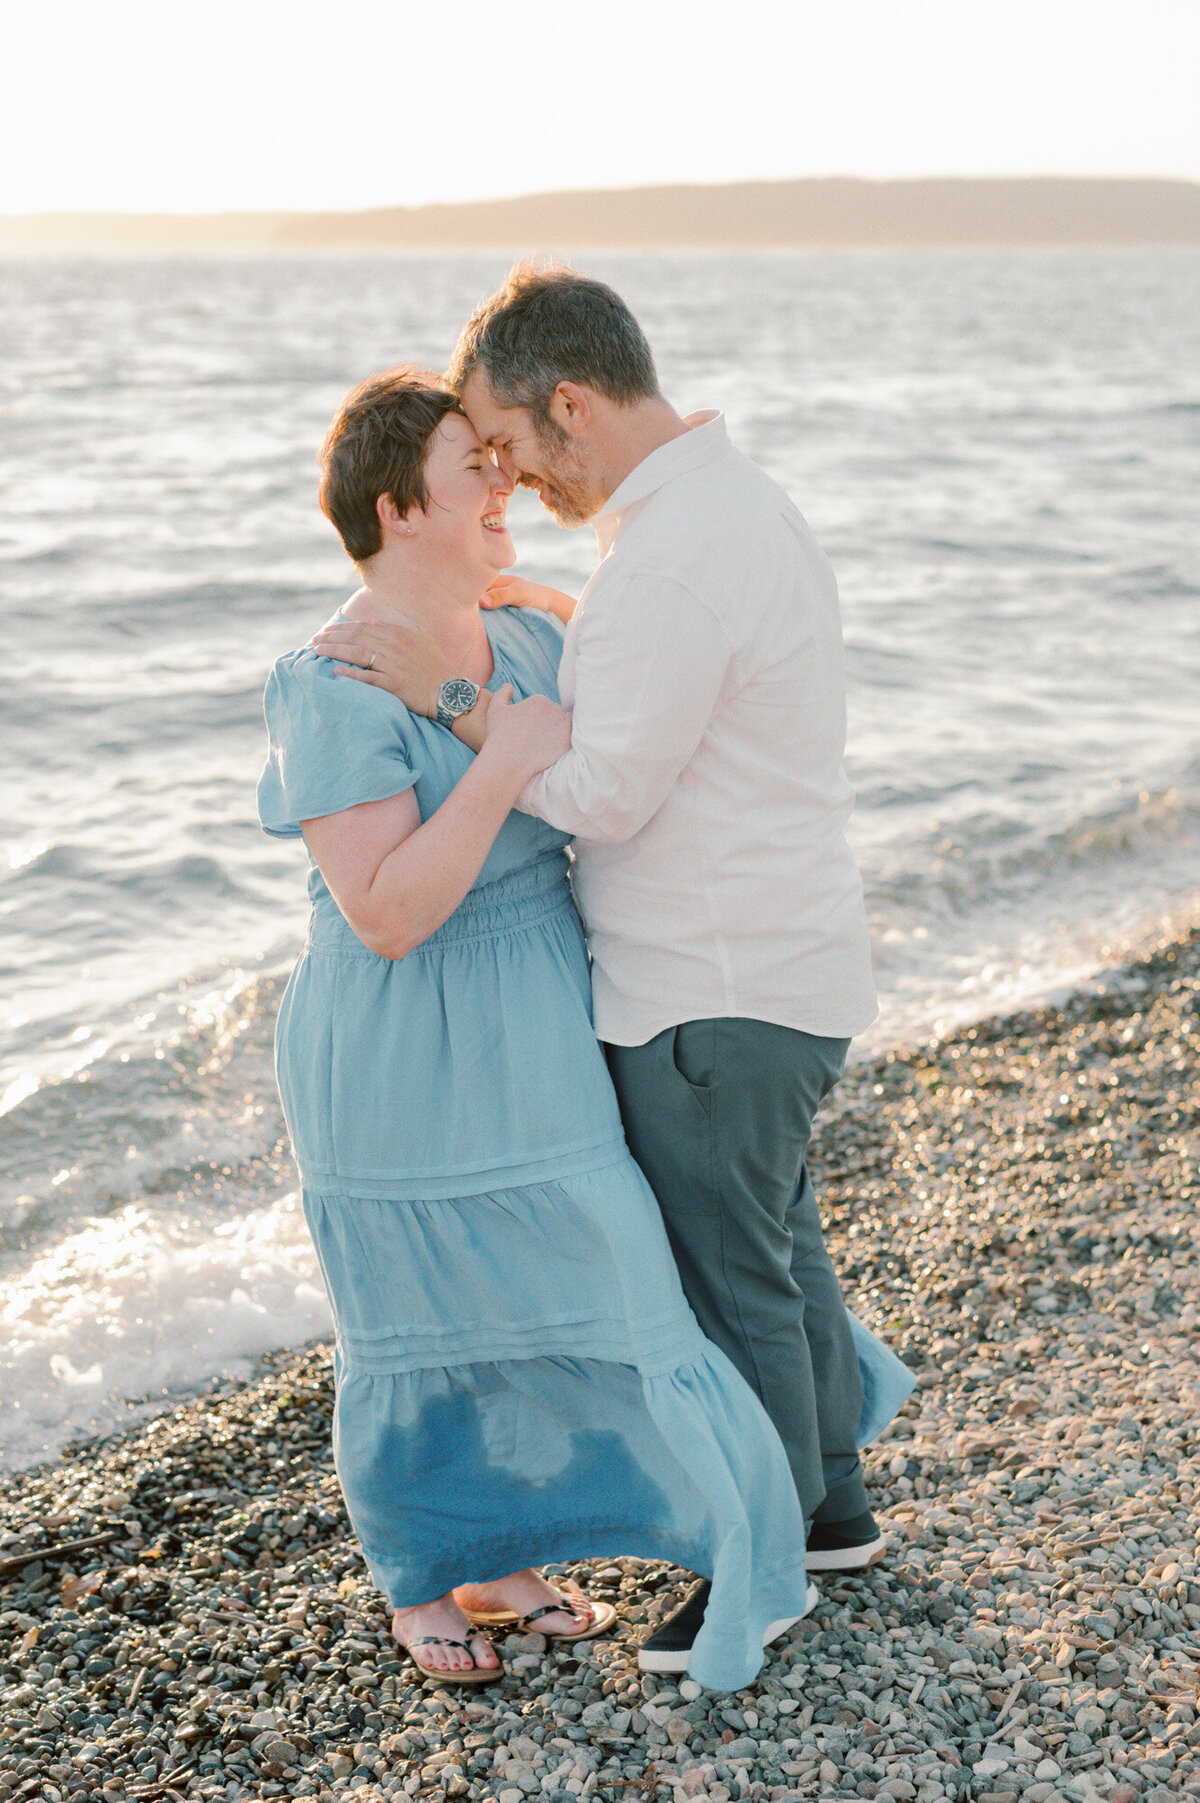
(704, 786)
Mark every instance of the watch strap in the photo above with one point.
(456, 698)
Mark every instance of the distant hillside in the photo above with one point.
(835, 212)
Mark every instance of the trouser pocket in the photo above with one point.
(694, 1054)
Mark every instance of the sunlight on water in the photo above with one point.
(18, 1090)
(20, 855)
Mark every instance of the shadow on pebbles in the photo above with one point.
(1015, 1209)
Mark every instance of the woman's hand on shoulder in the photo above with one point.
(518, 591)
(526, 736)
(402, 659)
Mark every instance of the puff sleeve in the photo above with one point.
(333, 743)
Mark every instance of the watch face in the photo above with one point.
(458, 695)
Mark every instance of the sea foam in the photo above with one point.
(131, 1308)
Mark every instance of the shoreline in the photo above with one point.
(1013, 1207)
(152, 1369)
(829, 211)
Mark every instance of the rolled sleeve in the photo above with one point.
(651, 662)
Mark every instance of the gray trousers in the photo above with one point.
(718, 1114)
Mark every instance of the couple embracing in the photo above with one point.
(582, 1302)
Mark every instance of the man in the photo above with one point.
(706, 796)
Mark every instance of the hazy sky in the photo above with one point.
(232, 104)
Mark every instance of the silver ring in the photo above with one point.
(371, 663)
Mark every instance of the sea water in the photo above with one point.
(1001, 455)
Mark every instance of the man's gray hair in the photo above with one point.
(549, 324)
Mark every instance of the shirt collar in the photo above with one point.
(704, 441)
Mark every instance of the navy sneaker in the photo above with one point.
(845, 1545)
(669, 1648)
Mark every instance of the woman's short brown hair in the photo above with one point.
(377, 445)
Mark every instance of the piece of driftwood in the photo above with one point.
(58, 1551)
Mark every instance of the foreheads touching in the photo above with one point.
(535, 366)
(553, 374)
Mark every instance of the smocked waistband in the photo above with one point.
(508, 904)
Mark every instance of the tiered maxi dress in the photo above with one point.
(519, 1378)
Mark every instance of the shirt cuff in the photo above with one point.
(531, 800)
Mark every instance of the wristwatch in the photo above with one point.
(456, 698)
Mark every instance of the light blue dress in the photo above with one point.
(519, 1378)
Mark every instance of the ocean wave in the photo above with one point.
(176, 1099)
(83, 881)
(985, 548)
(126, 1309)
(989, 858)
(149, 1232)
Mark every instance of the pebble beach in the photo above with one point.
(184, 1612)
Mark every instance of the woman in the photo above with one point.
(519, 1379)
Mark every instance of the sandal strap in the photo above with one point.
(561, 1607)
(443, 1640)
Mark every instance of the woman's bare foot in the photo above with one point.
(522, 1592)
(443, 1620)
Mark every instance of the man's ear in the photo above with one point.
(571, 408)
(391, 519)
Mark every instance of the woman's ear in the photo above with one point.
(391, 520)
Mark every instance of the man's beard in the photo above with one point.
(566, 492)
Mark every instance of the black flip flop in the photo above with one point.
(571, 1601)
(476, 1674)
